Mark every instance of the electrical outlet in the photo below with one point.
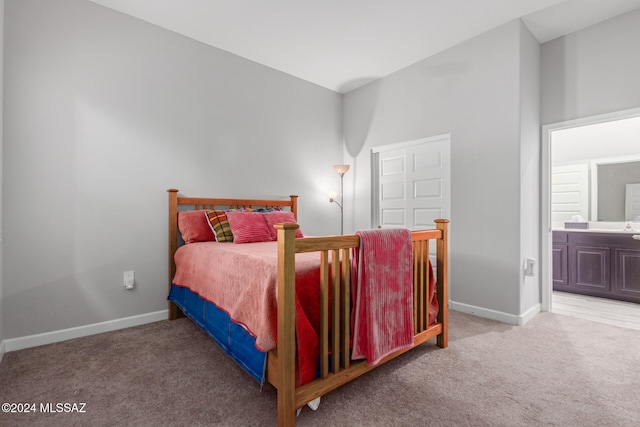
(129, 279)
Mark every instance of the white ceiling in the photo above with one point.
(343, 44)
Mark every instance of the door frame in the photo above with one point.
(546, 282)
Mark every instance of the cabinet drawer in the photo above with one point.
(560, 237)
(622, 240)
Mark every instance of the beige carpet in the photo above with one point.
(554, 371)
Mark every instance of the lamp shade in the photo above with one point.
(341, 169)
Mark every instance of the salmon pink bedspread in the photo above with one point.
(241, 279)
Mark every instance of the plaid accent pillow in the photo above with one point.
(220, 226)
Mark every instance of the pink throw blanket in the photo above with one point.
(382, 287)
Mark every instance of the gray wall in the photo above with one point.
(592, 71)
(588, 73)
(473, 91)
(103, 113)
(529, 167)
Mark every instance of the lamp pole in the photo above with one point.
(341, 169)
(341, 204)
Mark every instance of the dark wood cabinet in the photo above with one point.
(560, 261)
(589, 268)
(597, 264)
(626, 273)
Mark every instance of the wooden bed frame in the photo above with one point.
(281, 361)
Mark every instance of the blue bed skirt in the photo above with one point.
(232, 338)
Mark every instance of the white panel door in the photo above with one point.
(412, 183)
(392, 188)
(569, 192)
(632, 203)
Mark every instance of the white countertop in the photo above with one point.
(599, 230)
(617, 227)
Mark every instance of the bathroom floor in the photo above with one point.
(612, 312)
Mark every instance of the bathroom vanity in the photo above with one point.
(601, 263)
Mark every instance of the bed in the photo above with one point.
(286, 355)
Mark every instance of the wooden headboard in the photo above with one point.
(195, 203)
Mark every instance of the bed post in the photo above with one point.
(294, 206)
(173, 245)
(443, 281)
(286, 347)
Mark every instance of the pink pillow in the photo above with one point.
(248, 227)
(194, 226)
(276, 218)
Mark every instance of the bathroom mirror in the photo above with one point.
(632, 203)
(591, 165)
(609, 179)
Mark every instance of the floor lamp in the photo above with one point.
(341, 170)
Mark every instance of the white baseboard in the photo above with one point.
(500, 316)
(13, 344)
(2, 351)
(529, 314)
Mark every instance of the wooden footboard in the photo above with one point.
(335, 332)
(335, 256)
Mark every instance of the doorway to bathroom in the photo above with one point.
(572, 154)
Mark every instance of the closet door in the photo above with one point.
(411, 183)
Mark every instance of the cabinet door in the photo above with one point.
(626, 277)
(589, 269)
(559, 262)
